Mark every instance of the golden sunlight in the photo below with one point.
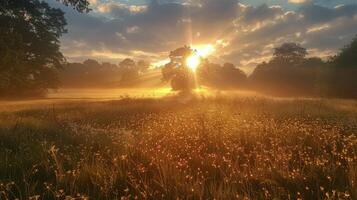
(193, 62)
(200, 51)
(204, 50)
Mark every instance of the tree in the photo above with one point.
(29, 46)
(289, 53)
(347, 56)
(218, 76)
(129, 70)
(342, 79)
(79, 5)
(90, 63)
(289, 73)
(143, 66)
(127, 63)
(177, 72)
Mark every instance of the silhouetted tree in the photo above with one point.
(343, 75)
(289, 72)
(129, 71)
(29, 46)
(347, 57)
(225, 77)
(143, 66)
(127, 63)
(79, 5)
(289, 53)
(181, 77)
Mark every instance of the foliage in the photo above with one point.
(214, 148)
(207, 74)
(29, 46)
(289, 53)
(181, 77)
(290, 73)
(79, 5)
(342, 80)
(347, 56)
(223, 77)
(91, 73)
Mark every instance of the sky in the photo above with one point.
(243, 32)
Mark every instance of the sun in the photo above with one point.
(193, 62)
(200, 51)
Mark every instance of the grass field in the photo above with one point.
(201, 148)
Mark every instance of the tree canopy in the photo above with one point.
(289, 72)
(226, 76)
(347, 56)
(29, 46)
(289, 53)
(92, 73)
(79, 5)
(177, 72)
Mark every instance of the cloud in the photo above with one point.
(315, 27)
(120, 9)
(298, 1)
(249, 33)
(154, 28)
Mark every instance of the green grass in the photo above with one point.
(207, 148)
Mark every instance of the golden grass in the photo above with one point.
(206, 148)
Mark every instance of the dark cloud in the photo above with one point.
(249, 33)
(317, 14)
(261, 13)
(315, 27)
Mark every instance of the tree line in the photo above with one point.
(91, 73)
(290, 72)
(31, 62)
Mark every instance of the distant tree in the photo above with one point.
(127, 63)
(343, 76)
(89, 74)
(177, 72)
(347, 57)
(143, 66)
(289, 53)
(225, 77)
(290, 73)
(29, 46)
(91, 63)
(129, 70)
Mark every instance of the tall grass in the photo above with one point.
(214, 148)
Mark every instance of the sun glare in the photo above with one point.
(200, 51)
(193, 61)
(204, 50)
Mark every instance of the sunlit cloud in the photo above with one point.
(108, 54)
(204, 50)
(160, 63)
(298, 1)
(318, 28)
(233, 31)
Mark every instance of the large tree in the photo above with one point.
(177, 71)
(29, 45)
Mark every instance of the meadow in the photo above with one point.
(165, 148)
